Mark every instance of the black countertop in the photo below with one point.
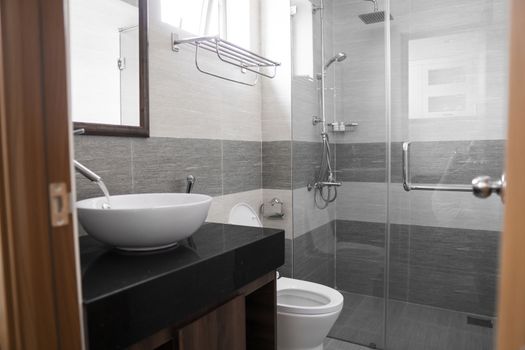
(130, 296)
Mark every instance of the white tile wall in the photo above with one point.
(306, 215)
(222, 205)
(276, 92)
(187, 103)
(286, 223)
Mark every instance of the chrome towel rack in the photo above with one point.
(229, 53)
(481, 187)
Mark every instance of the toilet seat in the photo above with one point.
(306, 298)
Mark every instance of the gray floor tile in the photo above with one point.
(334, 344)
(410, 326)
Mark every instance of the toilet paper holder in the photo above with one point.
(274, 209)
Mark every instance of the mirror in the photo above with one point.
(108, 66)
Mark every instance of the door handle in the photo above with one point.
(481, 186)
(484, 186)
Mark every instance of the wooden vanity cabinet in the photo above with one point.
(245, 322)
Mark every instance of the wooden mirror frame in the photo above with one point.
(126, 130)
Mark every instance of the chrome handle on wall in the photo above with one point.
(481, 187)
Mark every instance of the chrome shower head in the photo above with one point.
(340, 56)
(374, 17)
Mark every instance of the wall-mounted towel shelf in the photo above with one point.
(231, 54)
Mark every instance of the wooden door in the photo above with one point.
(39, 298)
(511, 320)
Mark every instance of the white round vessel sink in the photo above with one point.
(144, 221)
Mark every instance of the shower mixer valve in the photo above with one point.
(316, 120)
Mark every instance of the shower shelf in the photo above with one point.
(336, 126)
(231, 54)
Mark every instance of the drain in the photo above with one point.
(480, 321)
(372, 346)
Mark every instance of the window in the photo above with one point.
(230, 19)
(446, 76)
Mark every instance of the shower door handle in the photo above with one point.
(484, 186)
(481, 187)
(409, 186)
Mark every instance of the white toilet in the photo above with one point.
(306, 311)
(243, 214)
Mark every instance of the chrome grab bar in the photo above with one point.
(408, 186)
(481, 187)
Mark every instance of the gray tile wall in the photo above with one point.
(442, 267)
(452, 162)
(162, 164)
(242, 166)
(159, 164)
(110, 157)
(287, 269)
(288, 165)
(447, 162)
(277, 161)
(456, 162)
(306, 157)
(313, 255)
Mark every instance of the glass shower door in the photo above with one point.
(448, 99)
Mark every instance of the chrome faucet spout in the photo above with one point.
(190, 181)
(82, 169)
(90, 175)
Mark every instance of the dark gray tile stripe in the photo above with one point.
(242, 166)
(277, 165)
(160, 164)
(361, 162)
(290, 165)
(109, 157)
(287, 269)
(446, 162)
(313, 255)
(456, 162)
(306, 157)
(443, 267)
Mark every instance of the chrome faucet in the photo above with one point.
(190, 181)
(88, 174)
(82, 169)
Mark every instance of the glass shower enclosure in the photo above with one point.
(415, 111)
